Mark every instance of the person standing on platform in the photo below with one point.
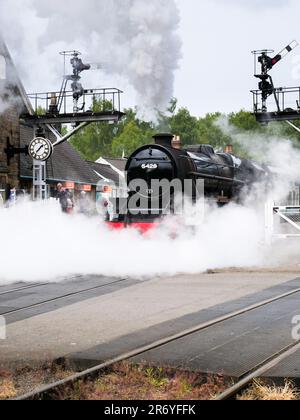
(63, 197)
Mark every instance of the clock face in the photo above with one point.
(40, 149)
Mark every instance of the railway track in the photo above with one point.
(21, 289)
(55, 299)
(46, 392)
(30, 286)
(258, 372)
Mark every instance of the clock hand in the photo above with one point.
(39, 149)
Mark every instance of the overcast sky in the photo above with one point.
(216, 72)
(216, 69)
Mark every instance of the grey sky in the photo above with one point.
(216, 69)
(216, 73)
(256, 3)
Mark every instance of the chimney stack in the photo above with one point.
(164, 139)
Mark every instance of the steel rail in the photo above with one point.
(263, 368)
(20, 289)
(90, 373)
(58, 298)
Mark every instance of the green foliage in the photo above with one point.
(156, 377)
(184, 125)
(95, 139)
(64, 130)
(244, 121)
(104, 140)
(40, 111)
(284, 130)
(130, 139)
(211, 133)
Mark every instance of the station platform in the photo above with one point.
(288, 369)
(114, 316)
(236, 347)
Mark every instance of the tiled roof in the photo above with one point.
(120, 164)
(65, 165)
(106, 171)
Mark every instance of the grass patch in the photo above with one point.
(16, 381)
(260, 391)
(134, 382)
(7, 389)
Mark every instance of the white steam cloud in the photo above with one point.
(76, 245)
(280, 154)
(134, 39)
(39, 243)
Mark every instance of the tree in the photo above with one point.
(244, 120)
(211, 133)
(284, 130)
(40, 111)
(95, 140)
(130, 139)
(104, 140)
(183, 124)
(131, 116)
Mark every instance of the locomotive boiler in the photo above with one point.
(225, 177)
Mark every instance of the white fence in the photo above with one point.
(281, 222)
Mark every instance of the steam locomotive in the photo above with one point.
(226, 177)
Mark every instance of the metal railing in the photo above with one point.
(287, 98)
(106, 100)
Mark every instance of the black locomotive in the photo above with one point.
(226, 177)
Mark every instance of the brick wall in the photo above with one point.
(11, 106)
(9, 130)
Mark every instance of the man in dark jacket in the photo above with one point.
(63, 196)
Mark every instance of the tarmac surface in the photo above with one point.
(92, 319)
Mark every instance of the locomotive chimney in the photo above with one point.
(164, 139)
